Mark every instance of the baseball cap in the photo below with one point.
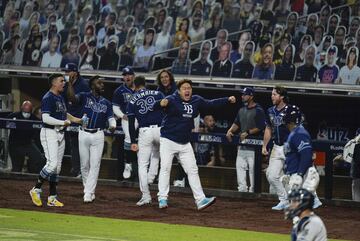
(332, 50)
(70, 67)
(248, 91)
(128, 70)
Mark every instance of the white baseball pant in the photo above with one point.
(245, 160)
(275, 171)
(149, 141)
(91, 147)
(186, 157)
(53, 142)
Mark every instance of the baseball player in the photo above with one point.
(79, 85)
(121, 98)
(180, 110)
(98, 110)
(276, 130)
(141, 108)
(298, 168)
(250, 120)
(55, 119)
(307, 225)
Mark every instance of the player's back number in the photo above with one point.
(146, 104)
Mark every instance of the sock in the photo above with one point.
(52, 188)
(39, 182)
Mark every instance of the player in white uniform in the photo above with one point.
(141, 108)
(307, 225)
(55, 119)
(96, 111)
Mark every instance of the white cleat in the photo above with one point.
(144, 201)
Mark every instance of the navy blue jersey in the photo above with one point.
(97, 109)
(141, 106)
(122, 96)
(54, 105)
(179, 115)
(80, 85)
(298, 151)
(274, 120)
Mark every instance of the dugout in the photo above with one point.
(331, 113)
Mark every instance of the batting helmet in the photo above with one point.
(300, 200)
(293, 114)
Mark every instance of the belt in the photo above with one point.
(151, 126)
(91, 130)
(53, 127)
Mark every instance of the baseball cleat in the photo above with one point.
(54, 202)
(35, 196)
(163, 203)
(88, 198)
(280, 206)
(144, 201)
(127, 170)
(179, 183)
(205, 202)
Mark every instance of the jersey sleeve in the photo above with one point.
(205, 103)
(267, 119)
(302, 143)
(47, 105)
(118, 98)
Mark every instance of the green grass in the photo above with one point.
(32, 225)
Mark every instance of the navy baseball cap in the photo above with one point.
(70, 67)
(332, 50)
(248, 91)
(128, 70)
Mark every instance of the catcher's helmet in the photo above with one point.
(305, 201)
(293, 114)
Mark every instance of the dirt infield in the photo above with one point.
(119, 202)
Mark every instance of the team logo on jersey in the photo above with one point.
(303, 145)
(60, 107)
(189, 110)
(276, 120)
(127, 96)
(95, 107)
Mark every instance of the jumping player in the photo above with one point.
(180, 110)
(141, 108)
(298, 168)
(307, 225)
(276, 129)
(120, 101)
(55, 119)
(98, 110)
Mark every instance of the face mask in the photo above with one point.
(67, 78)
(26, 115)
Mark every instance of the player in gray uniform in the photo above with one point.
(250, 120)
(307, 225)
